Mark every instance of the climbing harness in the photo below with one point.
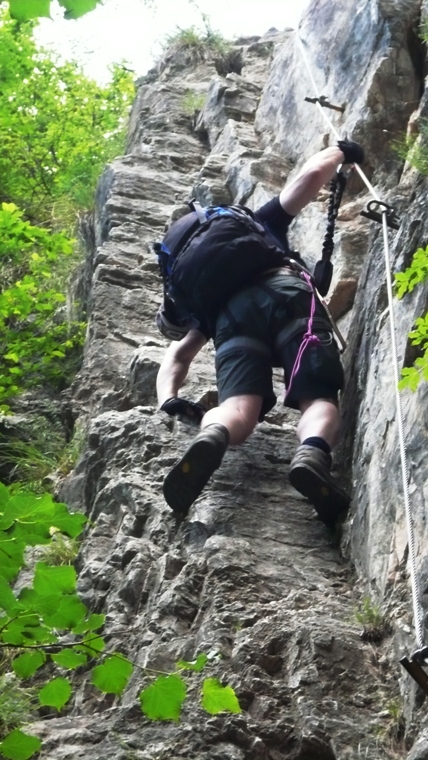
(386, 216)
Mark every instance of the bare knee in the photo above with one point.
(239, 414)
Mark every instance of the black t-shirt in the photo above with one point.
(276, 222)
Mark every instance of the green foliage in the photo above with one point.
(26, 664)
(35, 619)
(57, 127)
(16, 704)
(62, 550)
(163, 699)
(197, 665)
(414, 274)
(35, 337)
(217, 698)
(194, 45)
(22, 10)
(373, 620)
(39, 461)
(192, 102)
(19, 746)
(113, 675)
(56, 693)
(57, 131)
(368, 613)
(405, 282)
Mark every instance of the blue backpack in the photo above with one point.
(207, 256)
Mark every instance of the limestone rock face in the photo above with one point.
(252, 575)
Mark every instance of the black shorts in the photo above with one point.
(255, 333)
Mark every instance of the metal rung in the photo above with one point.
(325, 103)
(416, 671)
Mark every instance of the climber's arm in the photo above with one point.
(175, 364)
(318, 170)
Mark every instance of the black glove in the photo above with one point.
(180, 406)
(352, 151)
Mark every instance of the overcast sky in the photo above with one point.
(133, 31)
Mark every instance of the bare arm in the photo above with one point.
(314, 174)
(175, 364)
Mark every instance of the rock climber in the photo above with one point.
(277, 321)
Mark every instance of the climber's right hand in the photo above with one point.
(352, 151)
(180, 406)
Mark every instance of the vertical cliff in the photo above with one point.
(253, 575)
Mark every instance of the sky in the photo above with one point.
(133, 31)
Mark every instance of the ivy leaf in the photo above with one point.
(56, 693)
(217, 698)
(22, 10)
(69, 659)
(76, 8)
(48, 579)
(195, 665)
(19, 746)
(163, 699)
(28, 663)
(113, 675)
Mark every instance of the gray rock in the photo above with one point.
(253, 575)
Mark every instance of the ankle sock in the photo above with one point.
(318, 443)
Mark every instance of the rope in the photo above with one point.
(308, 339)
(417, 607)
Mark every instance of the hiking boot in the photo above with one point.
(310, 475)
(190, 475)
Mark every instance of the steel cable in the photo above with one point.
(417, 607)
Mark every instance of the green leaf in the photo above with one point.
(163, 699)
(69, 613)
(113, 675)
(8, 601)
(11, 556)
(48, 579)
(4, 496)
(71, 523)
(19, 746)
(217, 698)
(92, 645)
(22, 10)
(195, 665)
(28, 663)
(56, 693)
(93, 622)
(69, 659)
(76, 8)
